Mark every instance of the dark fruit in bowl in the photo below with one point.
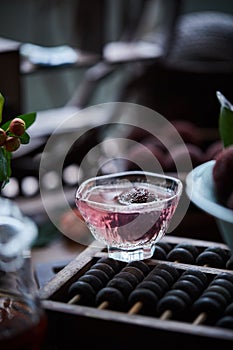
(230, 201)
(223, 174)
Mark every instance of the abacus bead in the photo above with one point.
(191, 248)
(94, 281)
(165, 245)
(159, 280)
(141, 265)
(229, 309)
(180, 294)
(163, 273)
(225, 322)
(225, 276)
(154, 287)
(229, 263)
(113, 296)
(220, 251)
(159, 253)
(195, 272)
(194, 280)
(98, 273)
(208, 305)
(135, 271)
(171, 269)
(221, 290)
(216, 296)
(181, 255)
(132, 279)
(146, 297)
(105, 268)
(210, 258)
(115, 264)
(122, 285)
(171, 302)
(224, 283)
(188, 287)
(84, 289)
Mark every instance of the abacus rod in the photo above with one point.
(135, 308)
(166, 315)
(103, 305)
(75, 299)
(200, 318)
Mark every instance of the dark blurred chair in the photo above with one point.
(200, 62)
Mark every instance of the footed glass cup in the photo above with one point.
(129, 211)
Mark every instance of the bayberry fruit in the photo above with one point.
(17, 126)
(3, 137)
(230, 201)
(223, 173)
(136, 195)
(12, 143)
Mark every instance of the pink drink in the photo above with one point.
(127, 224)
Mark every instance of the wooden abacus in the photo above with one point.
(113, 309)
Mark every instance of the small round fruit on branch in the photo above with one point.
(17, 126)
(12, 143)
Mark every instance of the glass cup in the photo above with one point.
(129, 211)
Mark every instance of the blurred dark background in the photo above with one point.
(174, 87)
(169, 55)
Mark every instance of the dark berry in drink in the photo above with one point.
(136, 195)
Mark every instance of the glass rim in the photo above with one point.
(130, 206)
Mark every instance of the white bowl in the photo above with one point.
(201, 191)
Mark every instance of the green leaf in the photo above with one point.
(3, 166)
(8, 160)
(2, 100)
(29, 118)
(25, 138)
(6, 125)
(225, 120)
